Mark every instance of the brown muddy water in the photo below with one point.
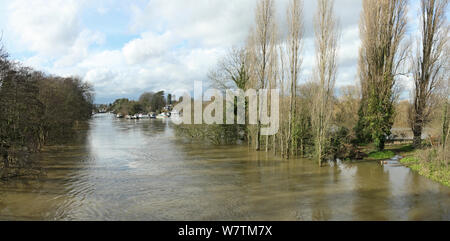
(138, 170)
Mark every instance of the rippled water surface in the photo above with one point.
(138, 170)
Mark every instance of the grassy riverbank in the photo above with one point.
(426, 162)
(436, 172)
(370, 153)
(381, 155)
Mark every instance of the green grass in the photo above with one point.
(401, 149)
(436, 173)
(409, 160)
(381, 155)
(407, 148)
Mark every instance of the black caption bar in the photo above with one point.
(160, 230)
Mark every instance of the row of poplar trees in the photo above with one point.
(385, 53)
(271, 60)
(308, 122)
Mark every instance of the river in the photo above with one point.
(139, 170)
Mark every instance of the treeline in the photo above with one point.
(315, 119)
(148, 102)
(36, 109)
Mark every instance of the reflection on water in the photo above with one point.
(138, 170)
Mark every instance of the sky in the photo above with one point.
(125, 48)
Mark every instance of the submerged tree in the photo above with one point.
(232, 73)
(21, 110)
(36, 109)
(327, 35)
(294, 49)
(429, 63)
(264, 42)
(67, 101)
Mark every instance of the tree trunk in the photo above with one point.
(320, 155)
(301, 148)
(258, 136)
(417, 140)
(274, 142)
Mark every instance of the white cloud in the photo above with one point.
(80, 48)
(349, 45)
(203, 22)
(47, 27)
(149, 45)
(178, 41)
(111, 58)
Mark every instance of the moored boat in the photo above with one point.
(162, 116)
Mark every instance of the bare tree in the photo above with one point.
(294, 49)
(346, 110)
(4, 63)
(326, 34)
(264, 50)
(282, 134)
(429, 63)
(232, 70)
(445, 130)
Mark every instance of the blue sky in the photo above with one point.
(125, 48)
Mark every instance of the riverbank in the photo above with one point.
(425, 162)
(436, 172)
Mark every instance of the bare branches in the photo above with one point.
(232, 70)
(327, 35)
(294, 48)
(429, 62)
(264, 50)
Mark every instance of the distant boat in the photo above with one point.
(119, 116)
(152, 116)
(162, 116)
(142, 116)
(131, 117)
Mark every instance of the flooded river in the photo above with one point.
(138, 170)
